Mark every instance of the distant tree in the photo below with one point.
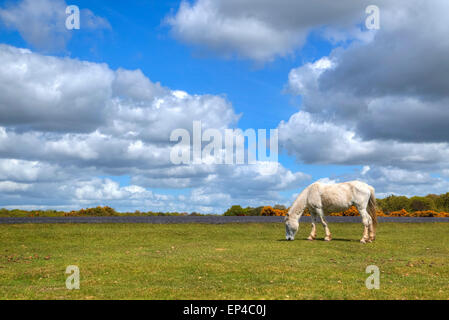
(235, 211)
(421, 204)
(257, 211)
(442, 202)
(394, 203)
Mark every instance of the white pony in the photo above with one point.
(322, 199)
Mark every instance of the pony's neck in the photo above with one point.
(298, 207)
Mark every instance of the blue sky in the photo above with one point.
(272, 76)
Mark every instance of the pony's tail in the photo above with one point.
(372, 208)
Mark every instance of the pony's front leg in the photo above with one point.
(328, 236)
(312, 235)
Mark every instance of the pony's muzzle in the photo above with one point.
(290, 232)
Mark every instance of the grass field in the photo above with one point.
(232, 261)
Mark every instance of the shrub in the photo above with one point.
(351, 212)
(93, 212)
(401, 213)
(269, 211)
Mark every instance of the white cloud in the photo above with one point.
(327, 181)
(52, 94)
(103, 190)
(391, 180)
(365, 170)
(28, 171)
(263, 30)
(67, 123)
(11, 186)
(246, 35)
(314, 140)
(385, 114)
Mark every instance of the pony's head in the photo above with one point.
(291, 227)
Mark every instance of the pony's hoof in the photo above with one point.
(362, 241)
(328, 238)
(310, 238)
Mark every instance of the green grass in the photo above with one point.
(233, 261)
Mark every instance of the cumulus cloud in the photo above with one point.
(380, 103)
(67, 123)
(261, 29)
(392, 180)
(11, 186)
(385, 96)
(314, 140)
(52, 94)
(104, 190)
(29, 171)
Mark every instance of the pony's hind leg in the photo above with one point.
(371, 232)
(312, 235)
(328, 236)
(368, 226)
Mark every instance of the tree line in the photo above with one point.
(431, 205)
